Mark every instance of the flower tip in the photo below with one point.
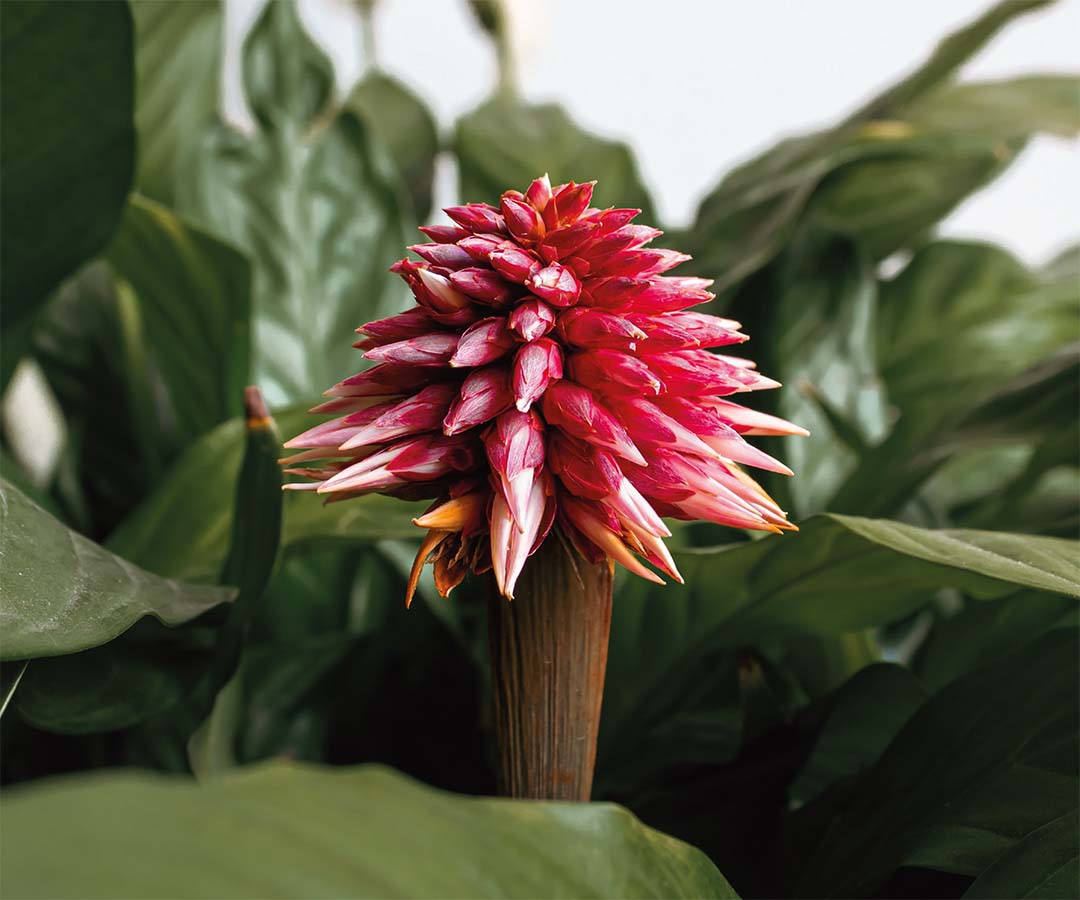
(523, 404)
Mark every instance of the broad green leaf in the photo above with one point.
(147, 670)
(838, 574)
(296, 831)
(866, 713)
(1045, 864)
(82, 345)
(973, 302)
(313, 204)
(1014, 108)
(63, 593)
(1016, 711)
(981, 825)
(1034, 406)
(505, 144)
(194, 297)
(399, 119)
(882, 176)
(825, 320)
(984, 631)
(177, 83)
(68, 142)
(182, 529)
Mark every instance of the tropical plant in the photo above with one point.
(884, 703)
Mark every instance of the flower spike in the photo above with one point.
(551, 372)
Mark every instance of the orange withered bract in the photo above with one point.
(550, 373)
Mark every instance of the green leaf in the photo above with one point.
(68, 144)
(866, 713)
(966, 301)
(882, 176)
(1046, 864)
(297, 831)
(984, 823)
(1013, 712)
(825, 320)
(1014, 108)
(183, 528)
(64, 593)
(399, 119)
(505, 144)
(1032, 407)
(985, 631)
(194, 298)
(313, 204)
(177, 82)
(144, 672)
(838, 574)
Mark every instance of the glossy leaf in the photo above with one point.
(1019, 710)
(866, 713)
(505, 144)
(399, 120)
(982, 632)
(314, 206)
(992, 817)
(970, 301)
(144, 672)
(177, 82)
(825, 318)
(194, 297)
(182, 529)
(1045, 864)
(838, 574)
(68, 142)
(63, 593)
(301, 831)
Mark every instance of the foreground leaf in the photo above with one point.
(506, 144)
(315, 207)
(182, 529)
(298, 831)
(68, 143)
(63, 593)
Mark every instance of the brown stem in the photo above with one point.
(548, 655)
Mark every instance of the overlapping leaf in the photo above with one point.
(177, 85)
(182, 529)
(312, 203)
(505, 144)
(68, 143)
(63, 593)
(331, 833)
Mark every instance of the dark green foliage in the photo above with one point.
(883, 704)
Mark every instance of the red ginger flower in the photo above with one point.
(549, 372)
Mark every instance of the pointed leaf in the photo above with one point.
(68, 144)
(505, 144)
(63, 593)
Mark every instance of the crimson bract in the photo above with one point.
(549, 375)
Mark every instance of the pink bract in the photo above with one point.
(549, 374)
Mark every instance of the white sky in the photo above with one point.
(697, 85)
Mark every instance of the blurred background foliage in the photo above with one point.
(884, 704)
